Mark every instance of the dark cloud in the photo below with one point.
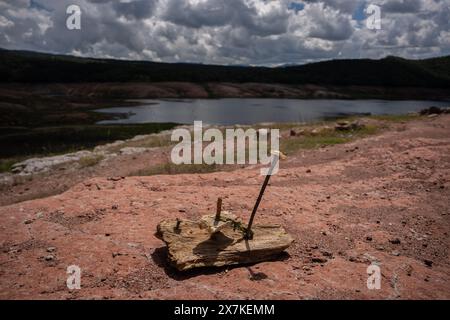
(403, 6)
(138, 9)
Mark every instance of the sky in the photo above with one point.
(229, 32)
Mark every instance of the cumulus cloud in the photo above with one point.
(259, 32)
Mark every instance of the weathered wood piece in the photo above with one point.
(201, 243)
(214, 223)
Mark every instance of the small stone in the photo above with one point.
(29, 221)
(409, 270)
(308, 171)
(327, 254)
(114, 207)
(51, 249)
(115, 178)
(318, 260)
(395, 253)
(49, 258)
(428, 263)
(369, 238)
(306, 268)
(395, 241)
(181, 210)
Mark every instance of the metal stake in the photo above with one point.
(219, 209)
(249, 233)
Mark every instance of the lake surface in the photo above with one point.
(251, 111)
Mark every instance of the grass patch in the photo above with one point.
(56, 140)
(6, 164)
(323, 138)
(149, 142)
(396, 117)
(90, 161)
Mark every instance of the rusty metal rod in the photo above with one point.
(219, 209)
(249, 233)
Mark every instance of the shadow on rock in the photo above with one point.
(159, 257)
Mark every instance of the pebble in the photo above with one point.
(49, 258)
(327, 254)
(428, 263)
(395, 241)
(51, 249)
(395, 253)
(28, 221)
(318, 260)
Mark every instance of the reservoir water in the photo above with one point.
(251, 111)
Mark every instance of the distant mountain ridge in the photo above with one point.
(34, 67)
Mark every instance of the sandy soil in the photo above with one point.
(381, 199)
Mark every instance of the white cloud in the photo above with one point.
(228, 31)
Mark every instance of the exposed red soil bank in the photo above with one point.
(383, 198)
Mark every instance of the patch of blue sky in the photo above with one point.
(296, 6)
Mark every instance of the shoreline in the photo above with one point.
(125, 91)
(149, 154)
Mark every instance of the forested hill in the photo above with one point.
(33, 67)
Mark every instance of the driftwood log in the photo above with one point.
(210, 242)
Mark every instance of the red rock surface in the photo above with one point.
(386, 200)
